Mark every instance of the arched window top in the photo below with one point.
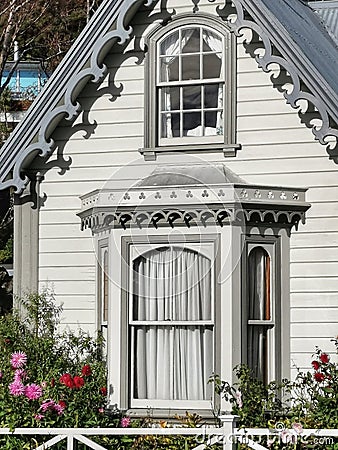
(174, 249)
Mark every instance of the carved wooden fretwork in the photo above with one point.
(241, 15)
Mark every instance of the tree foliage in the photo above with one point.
(43, 29)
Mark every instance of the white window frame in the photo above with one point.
(205, 245)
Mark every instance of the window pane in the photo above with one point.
(173, 363)
(213, 96)
(170, 99)
(259, 285)
(212, 65)
(257, 348)
(210, 124)
(170, 125)
(169, 70)
(191, 67)
(192, 124)
(211, 41)
(192, 97)
(172, 284)
(170, 45)
(190, 40)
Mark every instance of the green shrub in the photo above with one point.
(310, 401)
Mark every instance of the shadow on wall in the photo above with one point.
(6, 288)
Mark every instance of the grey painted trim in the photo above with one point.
(151, 115)
(26, 243)
(58, 99)
(320, 94)
(102, 246)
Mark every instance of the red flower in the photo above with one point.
(324, 357)
(67, 380)
(52, 382)
(86, 370)
(103, 390)
(8, 341)
(318, 376)
(315, 365)
(78, 382)
(62, 404)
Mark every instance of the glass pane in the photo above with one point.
(192, 97)
(211, 41)
(172, 284)
(170, 125)
(212, 65)
(259, 285)
(257, 351)
(190, 40)
(173, 363)
(213, 96)
(212, 128)
(169, 69)
(191, 67)
(170, 98)
(192, 125)
(170, 45)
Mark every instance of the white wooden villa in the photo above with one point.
(176, 185)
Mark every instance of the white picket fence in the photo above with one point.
(226, 436)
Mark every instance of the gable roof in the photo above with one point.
(286, 25)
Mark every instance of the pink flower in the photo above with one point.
(125, 422)
(47, 405)
(58, 408)
(324, 357)
(50, 405)
(38, 416)
(16, 388)
(19, 374)
(18, 360)
(1, 375)
(297, 427)
(33, 391)
(101, 410)
(238, 398)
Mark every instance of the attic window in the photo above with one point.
(190, 86)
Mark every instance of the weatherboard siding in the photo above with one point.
(277, 149)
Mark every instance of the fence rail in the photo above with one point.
(227, 435)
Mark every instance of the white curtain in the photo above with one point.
(171, 47)
(172, 362)
(259, 309)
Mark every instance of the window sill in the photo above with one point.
(150, 154)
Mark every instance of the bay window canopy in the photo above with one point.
(192, 195)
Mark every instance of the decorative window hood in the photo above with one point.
(191, 195)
